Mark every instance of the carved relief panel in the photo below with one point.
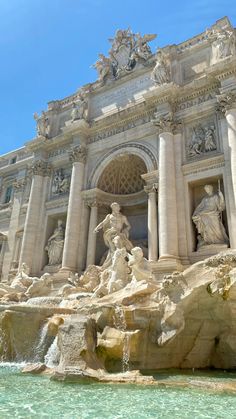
(60, 183)
(201, 139)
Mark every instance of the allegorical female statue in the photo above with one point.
(207, 218)
(55, 244)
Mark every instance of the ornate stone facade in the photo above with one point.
(146, 134)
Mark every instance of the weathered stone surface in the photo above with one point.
(77, 341)
(34, 369)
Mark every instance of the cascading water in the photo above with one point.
(53, 355)
(126, 352)
(3, 345)
(43, 343)
(120, 324)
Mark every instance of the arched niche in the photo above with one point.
(121, 181)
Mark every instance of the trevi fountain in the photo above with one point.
(118, 240)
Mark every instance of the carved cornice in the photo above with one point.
(78, 154)
(61, 202)
(203, 165)
(226, 101)
(41, 168)
(105, 199)
(166, 123)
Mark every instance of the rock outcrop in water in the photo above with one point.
(119, 318)
(187, 321)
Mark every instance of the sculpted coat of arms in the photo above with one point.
(127, 51)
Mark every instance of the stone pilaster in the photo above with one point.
(18, 188)
(151, 190)
(40, 170)
(82, 252)
(72, 234)
(180, 197)
(91, 247)
(227, 104)
(167, 206)
(3, 243)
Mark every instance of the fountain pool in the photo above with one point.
(28, 396)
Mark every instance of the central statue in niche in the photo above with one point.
(115, 224)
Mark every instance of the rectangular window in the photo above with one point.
(8, 194)
(13, 160)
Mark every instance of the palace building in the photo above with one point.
(156, 133)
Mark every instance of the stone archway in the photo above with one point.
(146, 155)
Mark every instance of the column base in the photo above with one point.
(170, 263)
(65, 269)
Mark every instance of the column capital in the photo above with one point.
(41, 168)
(92, 202)
(166, 123)
(152, 187)
(78, 154)
(226, 101)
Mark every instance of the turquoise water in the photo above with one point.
(26, 396)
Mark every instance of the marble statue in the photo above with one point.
(60, 183)
(79, 108)
(18, 287)
(116, 276)
(140, 267)
(55, 244)
(143, 50)
(115, 224)
(43, 124)
(223, 44)
(161, 74)
(103, 67)
(22, 280)
(119, 270)
(207, 218)
(40, 287)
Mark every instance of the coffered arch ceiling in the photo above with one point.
(123, 175)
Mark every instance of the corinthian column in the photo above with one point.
(40, 169)
(152, 221)
(167, 206)
(227, 103)
(91, 247)
(72, 233)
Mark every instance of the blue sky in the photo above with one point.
(48, 46)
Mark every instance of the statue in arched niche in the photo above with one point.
(207, 218)
(55, 244)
